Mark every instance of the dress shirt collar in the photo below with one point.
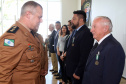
(104, 38)
(79, 28)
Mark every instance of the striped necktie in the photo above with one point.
(95, 46)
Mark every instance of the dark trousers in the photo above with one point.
(64, 76)
(63, 69)
(61, 65)
(75, 81)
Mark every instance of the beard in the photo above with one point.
(75, 26)
(35, 30)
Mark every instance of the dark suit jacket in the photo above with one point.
(65, 47)
(51, 42)
(56, 40)
(77, 55)
(111, 63)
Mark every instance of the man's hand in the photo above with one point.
(43, 72)
(76, 77)
(64, 54)
(46, 72)
(62, 58)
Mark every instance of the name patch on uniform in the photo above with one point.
(13, 29)
(9, 42)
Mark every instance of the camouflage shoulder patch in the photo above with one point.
(13, 29)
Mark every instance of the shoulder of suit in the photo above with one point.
(85, 29)
(13, 29)
(54, 31)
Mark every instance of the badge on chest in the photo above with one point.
(30, 48)
(73, 41)
(97, 58)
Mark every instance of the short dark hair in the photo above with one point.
(81, 14)
(58, 22)
(69, 21)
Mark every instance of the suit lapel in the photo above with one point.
(94, 53)
(57, 34)
(71, 38)
(98, 49)
(52, 33)
(76, 35)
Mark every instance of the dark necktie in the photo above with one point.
(71, 36)
(32, 33)
(95, 46)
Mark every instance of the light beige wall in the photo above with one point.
(79, 4)
(68, 6)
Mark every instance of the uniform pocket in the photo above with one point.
(32, 54)
(33, 57)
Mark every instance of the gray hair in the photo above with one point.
(52, 25)
(29, 6)
(106, 21)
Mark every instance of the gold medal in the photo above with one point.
(72, 44)
(96, 63)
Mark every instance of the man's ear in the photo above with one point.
(81, 20)
(106, 28)
(28, 14)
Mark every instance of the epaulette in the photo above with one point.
(13, 29)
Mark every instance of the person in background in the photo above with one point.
(47, 44)
(51, 48)
(60, 46)
(106, 61)
(58, 27)
(78, 47)
(21, 50)
(63, 56)
(44, 64)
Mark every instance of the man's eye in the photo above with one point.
(40, 17)
(93, 26)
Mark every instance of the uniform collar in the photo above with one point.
(24, 26)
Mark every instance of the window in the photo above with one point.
(10, 12)
(0, 18)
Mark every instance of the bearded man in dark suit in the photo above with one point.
(79, 46)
